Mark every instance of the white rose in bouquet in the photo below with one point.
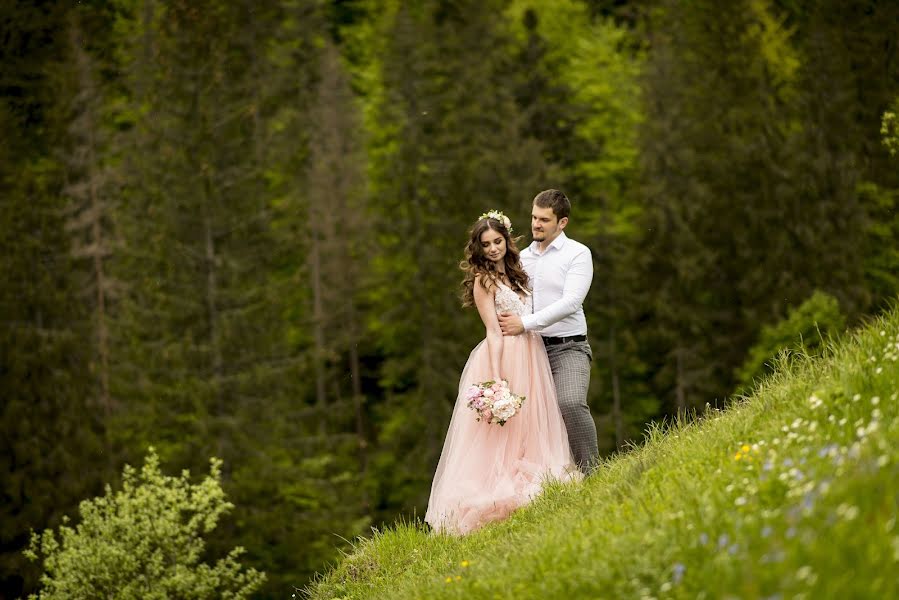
(504, 408)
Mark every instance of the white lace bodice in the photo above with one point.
(507, 300)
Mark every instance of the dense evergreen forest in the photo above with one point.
(233, 229)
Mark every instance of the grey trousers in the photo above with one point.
(570, 364)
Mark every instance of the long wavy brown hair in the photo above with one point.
(476, 262)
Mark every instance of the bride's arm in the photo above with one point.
(483, 299)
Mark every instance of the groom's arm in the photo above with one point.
(577, 284)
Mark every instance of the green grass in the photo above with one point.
(791, 493)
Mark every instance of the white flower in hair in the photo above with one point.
(499, 216)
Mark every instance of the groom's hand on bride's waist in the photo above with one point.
(510, 324)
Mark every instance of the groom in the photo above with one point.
(561, 270)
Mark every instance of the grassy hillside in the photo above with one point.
(791, 493)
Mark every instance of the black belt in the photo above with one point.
(561, 340)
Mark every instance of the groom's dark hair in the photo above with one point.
(555, 200)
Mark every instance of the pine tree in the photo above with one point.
(849, 79)
(90, 190)
(336, 207)
(51, 439)
(721, 201)
(213, 356)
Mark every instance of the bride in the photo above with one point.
(486, 471)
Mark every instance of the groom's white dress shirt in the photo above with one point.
(560, 279)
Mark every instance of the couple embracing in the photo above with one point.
(531, 306)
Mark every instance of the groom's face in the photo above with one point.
(545, 227)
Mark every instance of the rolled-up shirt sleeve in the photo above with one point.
(577, 284)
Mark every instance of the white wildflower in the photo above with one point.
(847, 511)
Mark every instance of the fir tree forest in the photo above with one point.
(232, 230)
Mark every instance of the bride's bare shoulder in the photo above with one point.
(485, 284)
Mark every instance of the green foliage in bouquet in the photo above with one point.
(144, 541)
(803, 329)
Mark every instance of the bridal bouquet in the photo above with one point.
(493, 401)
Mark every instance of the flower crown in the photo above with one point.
(499, 216)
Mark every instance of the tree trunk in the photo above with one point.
(616, 392)
(358, 401)
(318, 333)
(213, 315)
(97, 248)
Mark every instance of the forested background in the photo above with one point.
(233, 229)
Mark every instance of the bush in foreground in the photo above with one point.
(144, 541)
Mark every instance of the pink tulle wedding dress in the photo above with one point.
(486, 471)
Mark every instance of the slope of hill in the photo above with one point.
(790, 493)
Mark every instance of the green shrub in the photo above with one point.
(803, 330)
(144, 541)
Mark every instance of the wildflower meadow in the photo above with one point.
(790, 492)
